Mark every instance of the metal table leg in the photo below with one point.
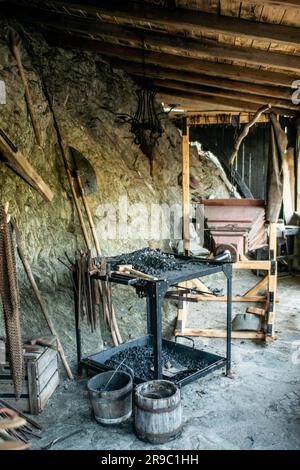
(149, 316)
(78, 335)
(156, 293)
(229, 326)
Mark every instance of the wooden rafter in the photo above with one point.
(233, 72)
(163, 73)
(221, 118)
(179, 97)
(280, 3)
(219, 92)
(181, 19)
(162, 42)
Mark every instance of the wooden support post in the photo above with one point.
(258, 286)
(297, 164)
(272, 281)
(185, 187)
(183, 306)
(252, 264)
(218, 333)
(235, 298)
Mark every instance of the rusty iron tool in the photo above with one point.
(39, 298)
(85, 170)
(9, 294)
(87, 184)
(60, 439)
(8, 140)
(29, 420)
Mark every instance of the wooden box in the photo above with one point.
(41, 380)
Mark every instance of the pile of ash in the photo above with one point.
(141, 360)
(148, 261)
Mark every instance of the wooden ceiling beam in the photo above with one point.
(161, 42)
(276, 3)
(190, 99)
(214, 91)
(171, 61)
(180, 19)
(205, 118)
(151, 71)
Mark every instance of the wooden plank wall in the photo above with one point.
(252, 158)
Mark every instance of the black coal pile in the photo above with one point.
(141, 360)
(148, 261)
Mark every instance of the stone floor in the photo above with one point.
(258, 409)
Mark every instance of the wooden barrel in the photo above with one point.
(158, 415)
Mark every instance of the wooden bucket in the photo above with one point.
(158, 415)
(111, 404)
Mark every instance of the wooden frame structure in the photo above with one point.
(217, 55)
(266, 300)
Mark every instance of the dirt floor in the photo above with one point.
(257, 409)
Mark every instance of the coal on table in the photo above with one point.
(141, 360)
(148, 260)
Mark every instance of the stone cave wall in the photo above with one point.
(83, 88)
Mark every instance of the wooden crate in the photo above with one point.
(41, 380)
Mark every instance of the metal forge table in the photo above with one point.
(155, 292)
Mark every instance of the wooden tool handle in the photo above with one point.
(143, 275)
(128, 268)
(16, 51)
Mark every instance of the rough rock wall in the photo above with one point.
(81, 85)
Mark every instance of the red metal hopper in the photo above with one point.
(237, 225)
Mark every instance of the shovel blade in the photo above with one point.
(85, 170)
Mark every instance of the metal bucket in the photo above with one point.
(158, 414)
(111, 405)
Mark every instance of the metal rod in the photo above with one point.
(115, 372)
(77, 332)
(229, 312)
(155, 309)
(149, 320)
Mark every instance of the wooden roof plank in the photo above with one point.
(182, 19)
(200, 79)
(180, 96)
(170, 44)
(214, 91)
(172, 61)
